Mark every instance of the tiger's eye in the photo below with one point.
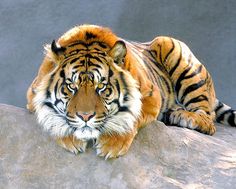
(100, 85)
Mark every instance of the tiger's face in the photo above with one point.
(88, 93)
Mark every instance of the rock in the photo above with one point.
(160, 157)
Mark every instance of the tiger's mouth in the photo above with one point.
(84, 129)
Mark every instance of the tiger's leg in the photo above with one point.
(112, 146)
(151, 105)
(70, 143)
(193, 86)
(197, 99)
(197, 120)
(115, 145)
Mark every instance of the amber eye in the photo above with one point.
(100, 86)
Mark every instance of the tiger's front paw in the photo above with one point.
(72, 144)
(113, 146)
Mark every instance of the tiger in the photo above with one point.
(95, 86)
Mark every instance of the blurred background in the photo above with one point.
(207, 27)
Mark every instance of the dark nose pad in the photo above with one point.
(85, 116)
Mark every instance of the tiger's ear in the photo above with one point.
(54, 51)
(57, 49)
(118, 51)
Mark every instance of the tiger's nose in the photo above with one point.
(85, 116)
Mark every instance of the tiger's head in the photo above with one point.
(87, 93)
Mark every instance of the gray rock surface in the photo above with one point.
(160, 157)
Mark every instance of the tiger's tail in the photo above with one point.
(225, 114)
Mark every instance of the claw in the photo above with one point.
(81, 150)
(99, 152)
(108, 155)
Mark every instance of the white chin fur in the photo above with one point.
(86, 134)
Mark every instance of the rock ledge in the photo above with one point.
(160, 157)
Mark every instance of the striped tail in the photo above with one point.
(225, 114)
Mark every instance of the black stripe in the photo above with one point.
(98, 73)
(74, 60)
(50, 105)
(68, 115)
(151, 92)
(96, 58)
(78, 43)
(153, 72)
(77, 66)
(95, 65)
(219, 106)
(57, 102)
(73, 129)
(221, 117)
(63, 90)
(153, 53)
(126, 92)
(204, 108)
(196, 100)
(55, 89)
(180, 79)
(192, 88)
(103, 45)
(165, 103)
(48, 93)
(231, 119)
(169, 87)
(160, 55)
(99, 52)
(199, 69)
(111, 73)
(90, 35)
(177, 63)
(154, 60)
(124, 109)
(69, 58)
(64, 65)
(117, 87)
(171, 50)
(62, 74)
(121, 108)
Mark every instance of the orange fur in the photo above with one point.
(173, 84)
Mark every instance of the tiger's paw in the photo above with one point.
(72, 144)
(113, 146)
(198, 121)
(206, 124)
